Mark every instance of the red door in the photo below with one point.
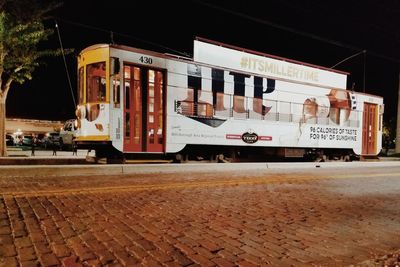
(143, 109)
(369, 129)
(155, 136)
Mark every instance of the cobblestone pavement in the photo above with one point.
(272, 218)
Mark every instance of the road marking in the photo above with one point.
(192, 184)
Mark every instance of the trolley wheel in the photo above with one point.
(178, 158)
(222, 159)
(181, 158)
(321, 158)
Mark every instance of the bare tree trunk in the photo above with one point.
(3, 148)
(397, 149)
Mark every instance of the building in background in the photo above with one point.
(24, 127)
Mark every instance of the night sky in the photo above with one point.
(317, 32)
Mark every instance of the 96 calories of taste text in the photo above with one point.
(330, 133)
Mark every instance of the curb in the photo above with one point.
(123, 169)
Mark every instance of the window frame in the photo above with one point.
(101, 91)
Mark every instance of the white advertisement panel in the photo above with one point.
(212, 106)
(265, 66)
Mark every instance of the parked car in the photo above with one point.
(27, 140)
(18, 140)
(40, 139)
(52, 138)
(67, 133)
(9, 140)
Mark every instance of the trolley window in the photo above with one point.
(80, 85)
(96, 82)
(116, 91)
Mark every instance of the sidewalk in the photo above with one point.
(39, 153)
(79, 167)
(19, 156)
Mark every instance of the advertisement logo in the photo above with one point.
(249, 137)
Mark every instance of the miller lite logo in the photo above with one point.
(249, 137)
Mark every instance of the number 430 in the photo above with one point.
(146, 60)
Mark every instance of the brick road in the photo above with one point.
(304, 218)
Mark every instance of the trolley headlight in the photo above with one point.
(80, 112)
(77, 123)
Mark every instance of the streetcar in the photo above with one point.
(225, 104)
